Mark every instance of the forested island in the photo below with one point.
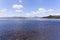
(52, 16)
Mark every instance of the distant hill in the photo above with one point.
(52, 16)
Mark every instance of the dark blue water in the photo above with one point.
(29, 29)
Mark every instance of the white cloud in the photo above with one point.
(50, 10)
(55, 13)
(19, 11)
(33, 12)
(4, 10)
(42, 10)
(17, 6)
(27, 15)
(5, 13)
(39, 11)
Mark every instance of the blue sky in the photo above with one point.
(29, 8)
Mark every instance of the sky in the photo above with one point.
(29, 8)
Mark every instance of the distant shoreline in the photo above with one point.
(50, 16)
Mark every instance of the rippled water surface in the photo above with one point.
(29, 29)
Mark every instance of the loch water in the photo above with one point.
(29, 29)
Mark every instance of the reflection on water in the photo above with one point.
(30, 29)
